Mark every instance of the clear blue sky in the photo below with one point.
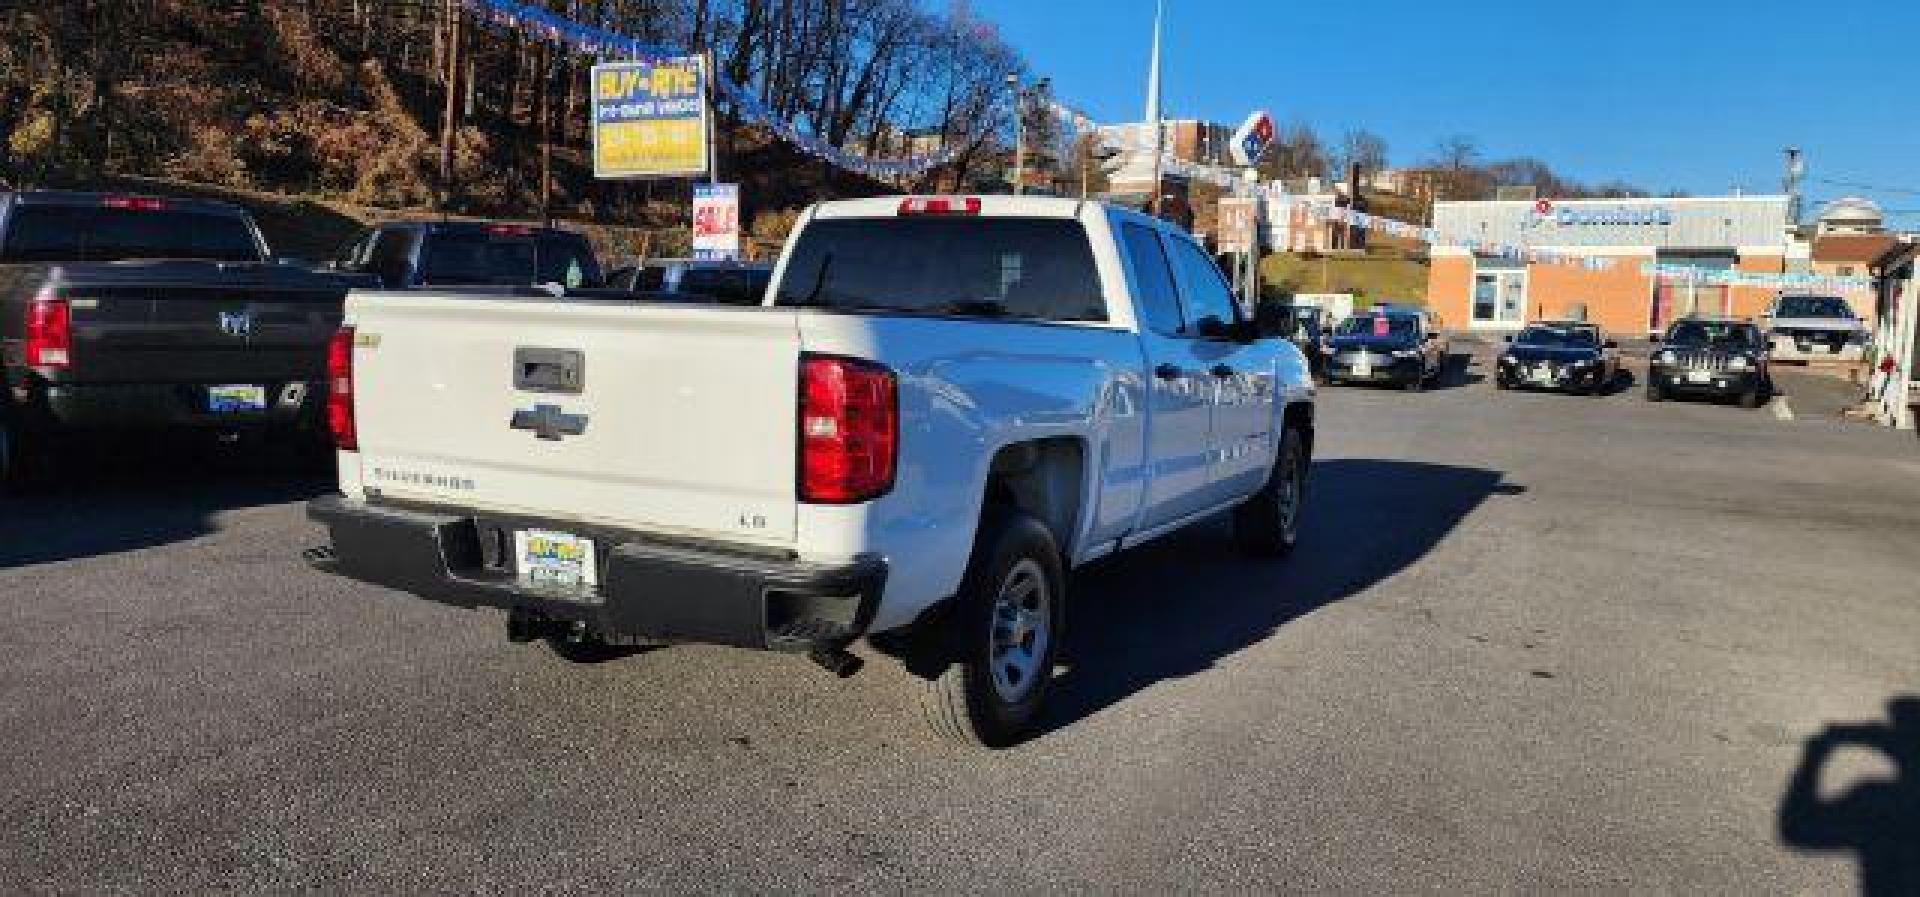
(1698, 95)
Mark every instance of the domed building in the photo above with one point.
(1851, 215)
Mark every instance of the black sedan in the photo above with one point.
(1567, 355)
(1396, 346)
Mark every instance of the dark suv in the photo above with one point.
(1711, 356)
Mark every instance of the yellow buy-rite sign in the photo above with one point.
(650, 119)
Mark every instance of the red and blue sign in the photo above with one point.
(1252, 140)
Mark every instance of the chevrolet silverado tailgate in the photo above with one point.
(666, 418)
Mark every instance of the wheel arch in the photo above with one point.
(1045, 478)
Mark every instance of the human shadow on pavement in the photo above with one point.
(1878, 820)
(1174, 607)
(108, 498)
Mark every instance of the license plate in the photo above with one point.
(238, 397)
(555, 560)
(1699, 376)
(1363, 367)
(1543, 376)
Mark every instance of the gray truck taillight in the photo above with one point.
(849, 424)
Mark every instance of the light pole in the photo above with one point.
(1019, 135)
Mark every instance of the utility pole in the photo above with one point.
(1019, 134)
(452, 101)
(1796, 167)
(546, 137)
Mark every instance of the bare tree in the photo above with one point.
(1363, 147)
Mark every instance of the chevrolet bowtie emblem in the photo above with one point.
(549, 422)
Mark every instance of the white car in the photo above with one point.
(944, 406)
(1800, 328)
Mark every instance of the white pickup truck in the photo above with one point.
(944, 405)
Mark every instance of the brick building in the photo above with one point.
(1483, 291)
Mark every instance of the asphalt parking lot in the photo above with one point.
(1530, 642)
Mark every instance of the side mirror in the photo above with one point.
(1270, 319)
(1610, 344)
(1507, 339)
(1654, 339)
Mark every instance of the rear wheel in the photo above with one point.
(1751, 397)
(999, 651)
(18, 464)
(1268, 524)
(1655, 392)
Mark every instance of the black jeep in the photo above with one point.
(1712, 356)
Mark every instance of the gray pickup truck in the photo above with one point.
(138, 313)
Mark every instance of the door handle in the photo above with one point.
(1168, 372)
(1222, 371)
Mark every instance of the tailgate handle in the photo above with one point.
(549, 370)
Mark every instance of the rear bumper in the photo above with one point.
(143, 406)
(662, 592)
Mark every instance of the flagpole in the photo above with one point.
(1153, 105)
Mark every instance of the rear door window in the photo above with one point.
(1029, 268)
(66, 233)
(391, 255)
(1209, 304)
(1158, 299)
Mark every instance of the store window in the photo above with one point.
(1500, 296)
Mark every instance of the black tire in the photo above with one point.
(1655, 393)
(19, 462)
(1417, 384)
(1268, 524)
(1751, 398)
(1014, 593)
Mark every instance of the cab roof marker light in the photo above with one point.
(135, 203)
(940, 205)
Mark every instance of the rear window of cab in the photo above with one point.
(1027, 268)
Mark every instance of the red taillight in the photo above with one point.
(340, 422)
(940, 205)
(509, 230)
(849, 430)
(135, 203)
(49, 332)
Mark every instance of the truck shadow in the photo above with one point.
(1877, 820)
(1172, 608)
(107, 499)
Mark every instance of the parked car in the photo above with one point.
(1807, 327)
(1569, 355)
(946, 405)
(1713, 356)
(729, 282)
(418, 254)
(139, 313)
(1388, 344)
